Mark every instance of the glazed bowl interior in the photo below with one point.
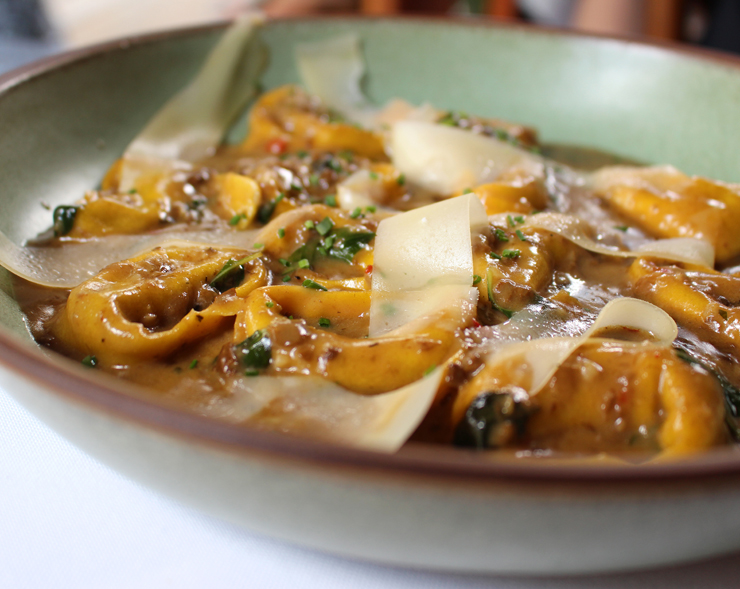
(65, 120)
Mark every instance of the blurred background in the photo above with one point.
(32, 28)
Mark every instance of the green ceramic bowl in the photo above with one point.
(66, 119)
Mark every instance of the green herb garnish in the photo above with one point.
(266, 210)
(492, 299)
(325, 226)
(347, 243)
(401, 180)
(511, 254)
(520, 235)
(232, 273)
(193, 364)
(330, 200)
(308, 283)
(90, 361)
(281, 233)
(256, 351)
(324, 322)
(476, 279)
(356, 213)
(622, 228)
(309, 224)
(236, 218)
(64, 219)
(500, 235)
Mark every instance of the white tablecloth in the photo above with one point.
(67, 521)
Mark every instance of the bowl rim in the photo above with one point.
(104, 394)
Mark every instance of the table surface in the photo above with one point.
(68, 521)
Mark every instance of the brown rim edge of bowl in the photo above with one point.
(71, 382)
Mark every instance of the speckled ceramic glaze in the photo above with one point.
(64, 121)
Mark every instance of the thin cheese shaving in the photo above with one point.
(68, 266)
(543, 357)
(680, 249)
(381, 423)
(423, 260)
(332, 69)
(193, 123)
(446, 160)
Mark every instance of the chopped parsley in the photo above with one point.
(339, 243)
(256, 351)
(324, 322)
